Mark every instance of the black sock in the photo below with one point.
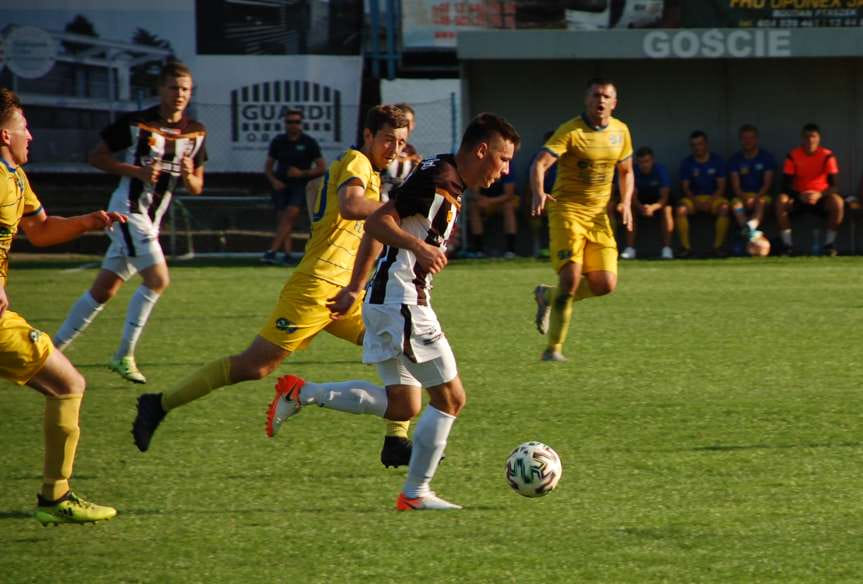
(510, 242)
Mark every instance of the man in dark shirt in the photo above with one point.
(294, 158)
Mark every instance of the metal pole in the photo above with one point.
(375, 25)
(391, 39)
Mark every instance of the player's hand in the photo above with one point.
(627, 217)
(278, 185)
(187, 168)
(294, 172)
(4, 301)
(341, 303)
(430, 258)
(538, 203)
(149, 174)
(102, 220)
(810, 197)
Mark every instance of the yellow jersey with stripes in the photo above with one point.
(17, 200)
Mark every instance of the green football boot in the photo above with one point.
(127, 368)
(70, 508)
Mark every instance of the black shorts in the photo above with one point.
(293, 195)
(800, 206)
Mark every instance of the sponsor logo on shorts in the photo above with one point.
(284, 325)
(34, 335)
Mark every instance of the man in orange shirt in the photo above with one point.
(809, 183)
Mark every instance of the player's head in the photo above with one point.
(487, 148)
(385, 133)
(699, 144)
(810, 136)
(644, 159)
(410, 114)
(600, 99)
(293, 122)
(15, 137)
(175, 87)
(758, 247)
(748, 135)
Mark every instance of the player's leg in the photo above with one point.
(756, 212)
(685, 208)
(629, 252)
(87, 307)
(719, 208)
(834, 208)
(667, 231)
(510, 225)
(63, 388)
(286, 230)
(280, 202)
(560, 300)
(784, 205)
(476, 211)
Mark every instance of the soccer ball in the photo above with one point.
(533, 469)
(758, 246)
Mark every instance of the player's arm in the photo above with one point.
(385, 226)
(626, 186)
(735, 184)
(269, 172)
(509, 193)
(664, 197)
(368, 252)
(193, 178)
(353, 203)
(102, 158)
(543, 161)
(43, 230)
(720, 187)
(4, 300)
(319, 167)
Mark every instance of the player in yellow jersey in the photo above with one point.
(349, 193)
(27, 356)
(588, 149)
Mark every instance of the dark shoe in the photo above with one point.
(289, 260)
(396, 451)
(786, 250)
(269, 257)
(829, 250)
(684, 253)
(720, 252)
(150, 415)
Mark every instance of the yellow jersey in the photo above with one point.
(587, 157)
(332, 248)
(17, 200)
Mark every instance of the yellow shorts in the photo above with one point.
(715, 204)
(747, 198)
(301, 313)
(23, 349)
(572, 238)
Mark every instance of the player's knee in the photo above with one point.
(101, 294)
(73, 383)
(680, 211)
(402, 411)
(243, 369)
(603, 287)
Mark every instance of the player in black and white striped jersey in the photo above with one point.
(162, 147)
(403, 337)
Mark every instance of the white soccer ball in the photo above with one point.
(533, 469)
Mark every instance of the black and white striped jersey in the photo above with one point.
(146, 137)
(428, 203)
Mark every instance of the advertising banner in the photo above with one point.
(771, 13)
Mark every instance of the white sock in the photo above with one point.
(82, 314)
(786, 236)
(355, 397)
(140, 307)
(753, 224)
(829, 236)
(430, 436)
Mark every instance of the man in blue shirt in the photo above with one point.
(702, 180)
(652, 194)
(751, 171)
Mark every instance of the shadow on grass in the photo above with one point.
(15, 514)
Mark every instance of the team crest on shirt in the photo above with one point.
(284, 325)
(34, 335)
(615, 139)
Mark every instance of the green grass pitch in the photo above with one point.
(709, 421)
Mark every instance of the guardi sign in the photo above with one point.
(715, 43)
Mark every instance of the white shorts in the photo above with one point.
(134, 246)
(408, 344)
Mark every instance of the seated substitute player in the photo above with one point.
(702, 180)
(651, 199)
(161, 147)
(403, 336)
(350, 192)
(587, 149)
(27, 356)
(501, 197)
(809, 184)
(751, 173)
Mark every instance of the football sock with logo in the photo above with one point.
(211, 376)
(398, 429)
(61, 440)
(140, 307)
(683, 230)
(430, 438)
(722, 223)
(561, 314)
(80, 316)
(355, 397)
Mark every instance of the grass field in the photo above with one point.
(709, 422)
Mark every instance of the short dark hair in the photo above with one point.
(698, 134)
(385, 115)
(484, 126)
(173, 69)
(405, 107)
(644, 151)
(747, 128)
(9, 102)
(810, 127)
(294, 112)
(601, 81)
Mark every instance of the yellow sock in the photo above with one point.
(61, 441)
(399, 429)
(561, 314)
(211, 376)
(683, 230)
(722, 223)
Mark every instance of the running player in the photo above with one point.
(27, 356)
(404, 338)
(588, 149)
(162, 146)
(350, 192)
